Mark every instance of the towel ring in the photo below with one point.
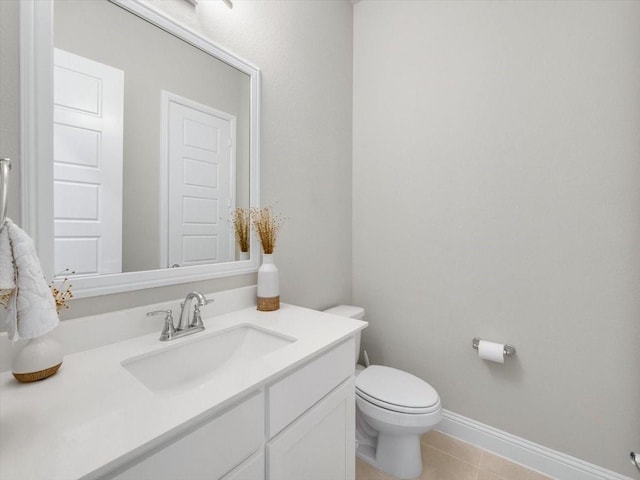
(5, 166)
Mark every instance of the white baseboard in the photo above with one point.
(518, 450)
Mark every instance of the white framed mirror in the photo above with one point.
(139, 138)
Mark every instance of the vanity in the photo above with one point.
(278, 404)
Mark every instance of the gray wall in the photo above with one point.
(304, 50)
(497, 194)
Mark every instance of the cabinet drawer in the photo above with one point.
(297, 392)
(210, 451)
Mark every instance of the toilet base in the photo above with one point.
(390, 441)
(399, 456)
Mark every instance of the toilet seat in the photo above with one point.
(396, 408)
(396, 390)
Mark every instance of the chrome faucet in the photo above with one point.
(196, 321)
(185, 326)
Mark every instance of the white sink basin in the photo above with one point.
(200, 358)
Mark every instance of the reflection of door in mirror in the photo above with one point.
(154, 61)
(201, 182)
(87, 154)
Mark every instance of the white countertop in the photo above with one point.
(93, 415)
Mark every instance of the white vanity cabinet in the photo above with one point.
(207, 452)
(251, 469)
(300, 426)
(311, 420)
(319, 445)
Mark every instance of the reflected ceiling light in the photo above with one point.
(228, 3)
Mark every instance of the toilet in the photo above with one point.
(393, 410)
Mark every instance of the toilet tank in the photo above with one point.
(350, 311)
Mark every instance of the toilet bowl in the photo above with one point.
(393, 410)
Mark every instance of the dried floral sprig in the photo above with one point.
(266, 224)
(5, 295)
(241, 222)
(62, 293)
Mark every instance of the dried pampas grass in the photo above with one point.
(241, 222)
(266, 224)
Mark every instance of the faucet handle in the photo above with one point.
(169, 330)
(196, 321)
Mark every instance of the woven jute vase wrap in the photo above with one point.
(268, 304)
(36, 376)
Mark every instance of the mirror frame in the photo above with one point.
(36, 165)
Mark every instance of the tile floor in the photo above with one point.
(446, 458)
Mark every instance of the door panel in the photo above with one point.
(88, 142)
(200, 182)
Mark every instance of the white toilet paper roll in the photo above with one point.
(491, 351)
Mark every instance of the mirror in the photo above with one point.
(152, 145)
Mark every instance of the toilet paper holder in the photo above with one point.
(509, 350)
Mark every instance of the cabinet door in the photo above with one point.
(251, 469)
(296, 393)
(319, 445)
(209, 452)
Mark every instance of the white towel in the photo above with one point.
(7, 272)
(32, 309)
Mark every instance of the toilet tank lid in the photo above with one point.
(349, 311)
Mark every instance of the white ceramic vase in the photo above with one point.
(243, 256)
(36, 359)
(268, 285)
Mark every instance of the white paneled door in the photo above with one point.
(87, 154)
(201, 182)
